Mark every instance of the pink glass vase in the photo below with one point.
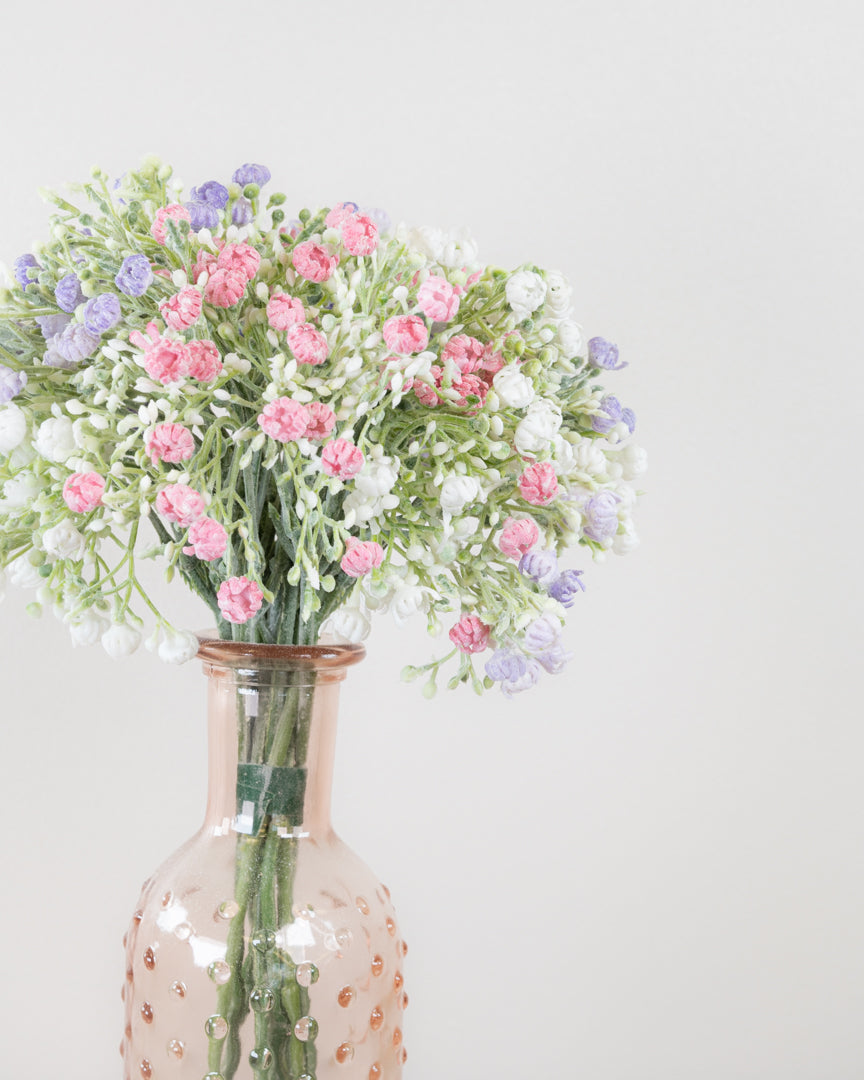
(264, 947)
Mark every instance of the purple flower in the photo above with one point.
(613, 414)
(611, 407)
(554, 659)
(540, 566)
(505, 664)
(22, 268)
(242, 213)
(251, 174)
(203, 215)
(75, 344)
(601, 516)
(135, 276)
(212, 192)
(566, 586)
(102, 313)
(542, 634)
(603, 354)
(11, 383)
(513, 670)
(52, 325)
(68, 292)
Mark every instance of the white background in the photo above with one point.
(650, 868)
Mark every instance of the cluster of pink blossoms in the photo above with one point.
(287, 420)
(228, 273)
(184, 506)
(167, 360)
(359, 233)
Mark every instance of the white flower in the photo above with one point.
(626, 541)
(588, 458)
(55, 439)
(13, 427)
(458, 491)
(525, 292)
(21, 490)
(23, 574)
(466, 528)
(563, 456)
(559, 295)
(86, 628)
(362, 508)
(407, 601)
(178, 647)
(426, 239)
(458, 249)
(570, 338)
(348, 625)
(539, 427)
(514, 390)
(63, 541)
(121, 640)
(376, 478)
(633, 461)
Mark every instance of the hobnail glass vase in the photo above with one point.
(265, 948)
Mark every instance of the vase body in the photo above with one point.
(264, 947)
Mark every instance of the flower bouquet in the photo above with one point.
(309, 420)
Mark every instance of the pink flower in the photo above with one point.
(239, 259)
(174, 212)
(342, 458)
(437, 299)
(406, 334)
(471, 386)
(284, 311)
(83, 492)
(204, 263)
(470, 635)
(205, 363)
(538, 483)
(180, 504)
(285, 420)
(166, 361)
(322, 420)
(340, 212)
(491, 363)
(145, 341)
(207, 540)
(239, 599)
(308, 345)
(518, 536)
(225, 288)
(170, 442)
(314, 262)
(361, 557)
(465, 352)
(425, 393)
(359, 235)
(182, 310)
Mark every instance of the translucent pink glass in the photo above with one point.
(264, 947)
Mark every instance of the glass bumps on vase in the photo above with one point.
(264, 947)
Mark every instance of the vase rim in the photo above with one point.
(213, 649)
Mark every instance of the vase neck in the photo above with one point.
(272, 714)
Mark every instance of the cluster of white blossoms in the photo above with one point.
(313, 420)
